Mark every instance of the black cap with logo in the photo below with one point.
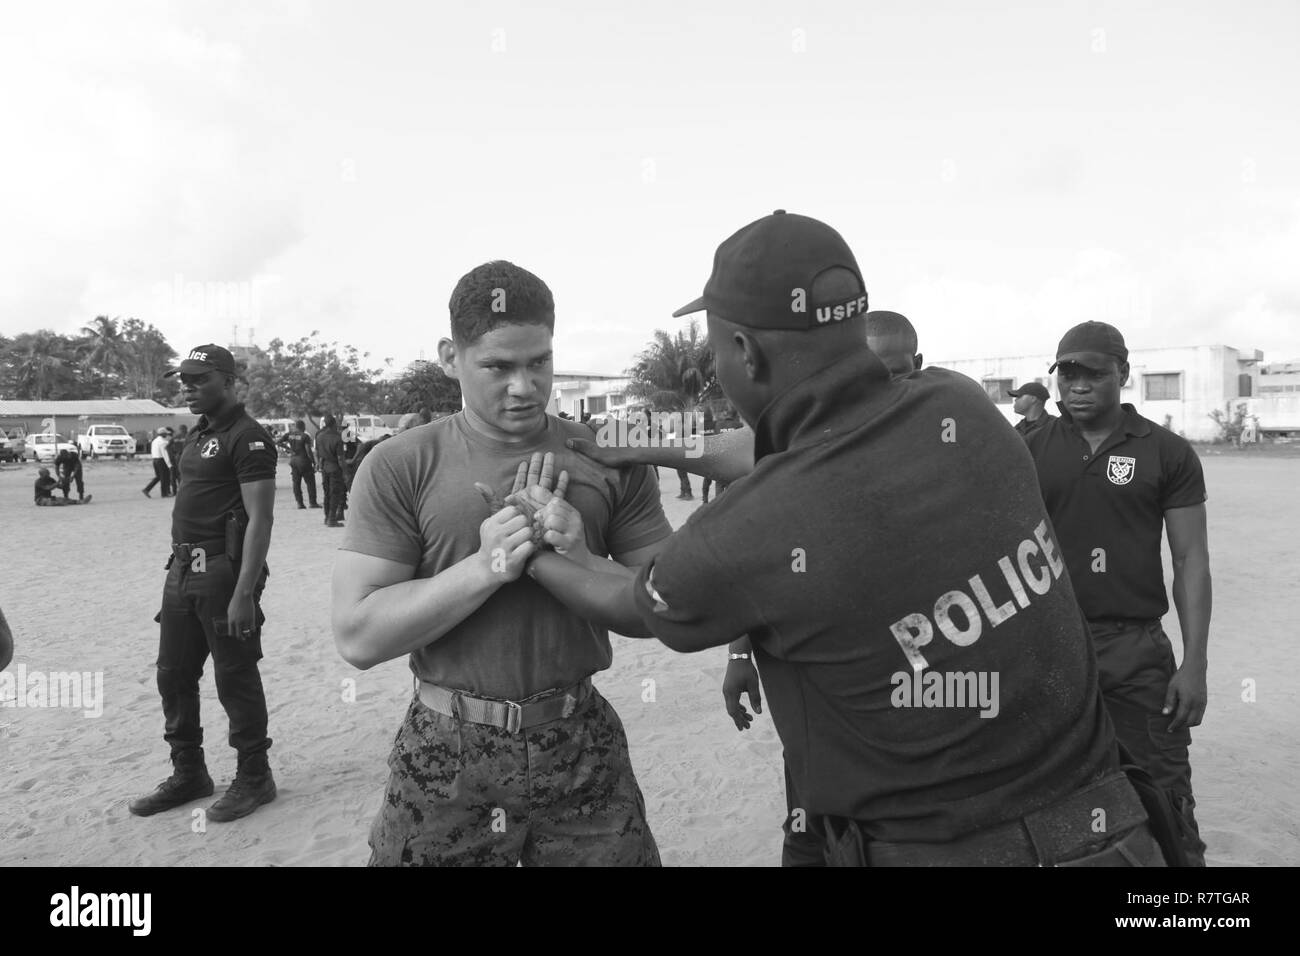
(763, 275)
(205, 358)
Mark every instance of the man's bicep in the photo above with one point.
(1187, 531)
(642, 555)
(356, 575)
(258, 497)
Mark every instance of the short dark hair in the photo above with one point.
(327, 421)
(498, 293)
(300, 425)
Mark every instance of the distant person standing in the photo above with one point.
(67, 466)
(1031, 402)
(176, 445)
(302, 466)
(162, 473)
(221, 532)
(333, 464)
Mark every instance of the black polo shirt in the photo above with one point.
(1025, 427)
(1109, 506)
(893, 532)
(299, 447)
(219, 456)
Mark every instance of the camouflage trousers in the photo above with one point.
(558, 794)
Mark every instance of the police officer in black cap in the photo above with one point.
(1113, 482)
(221, 531)
(925, 661)
(1031, 402)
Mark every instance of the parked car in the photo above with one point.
(106, 440)
(47, 445)
(13, 445)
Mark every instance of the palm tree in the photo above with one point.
(106, 351)
(674, 370)
(39, 358)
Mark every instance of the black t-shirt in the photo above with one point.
(299, 447)
(1109, 506)
(1026, 427)
(175, 448)
(44, 487)
(892, 535)
(219, 456)
(67, 462)
(330, 455)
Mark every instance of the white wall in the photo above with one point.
(1209, 380)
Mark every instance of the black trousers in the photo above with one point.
(336, 495)
(161, 473)
(66, 482)
(195, 598)
(301, 470)
(1135, 662)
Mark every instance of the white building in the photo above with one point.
(1174, 387)
(576, 393)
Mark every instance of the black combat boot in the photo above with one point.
(253, 786)
(189, 781)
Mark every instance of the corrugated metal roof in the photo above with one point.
(110, 407)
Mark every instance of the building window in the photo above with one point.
(596, 404)
(1162, 387)
(997, 389)
(615, 398)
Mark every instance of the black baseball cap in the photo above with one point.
(763, 275)
(1035, 389)
(1085, 341)
(205, 358)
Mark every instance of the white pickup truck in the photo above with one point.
(99, 440)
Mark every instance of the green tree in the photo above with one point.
(1231, 422)
(106, 356)
(421, 385)
(41, 365)
(307, 378)
(674, 370)
(150, 357)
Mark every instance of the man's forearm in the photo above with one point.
(727, 457)
(396, 620)
(257, 542)
(599, 592)
(1193, 599)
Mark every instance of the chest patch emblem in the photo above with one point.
(1120, 469)
(210, 448)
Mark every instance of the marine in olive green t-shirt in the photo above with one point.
(414, 502)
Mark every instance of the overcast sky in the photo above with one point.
(1002, 171)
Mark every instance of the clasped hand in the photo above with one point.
(535, 504)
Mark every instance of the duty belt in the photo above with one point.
(1057, 835)
(183, 552)
(508, 715)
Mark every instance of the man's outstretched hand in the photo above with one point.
(534, 487)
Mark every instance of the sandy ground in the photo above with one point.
(80, 587)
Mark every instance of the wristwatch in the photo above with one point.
(738, 657)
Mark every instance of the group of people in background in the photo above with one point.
(165, 454)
